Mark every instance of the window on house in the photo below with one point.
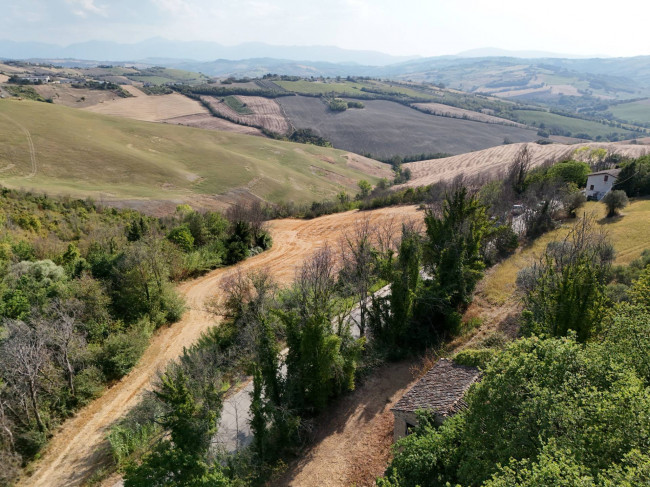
(606, 177)
(591, 188)
(409, 428)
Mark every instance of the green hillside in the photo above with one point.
(82, 153)
(569, 126)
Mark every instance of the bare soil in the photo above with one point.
(449, 111)
(267, 112)
(149, 108)
(353, 439)
(207, 121)
(75, 97)
(79, 447)
(385, 128)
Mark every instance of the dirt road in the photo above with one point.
(30, 146)
(80, 447)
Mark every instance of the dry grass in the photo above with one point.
(75, 97)
(208, 122)
(149, 108)
(449, 111)
(497, 159)
(629, 233)
(85, 154)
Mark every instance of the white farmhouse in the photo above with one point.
(600, 183)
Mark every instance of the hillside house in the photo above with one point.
(441, 391)
(600, 183)
(36, 79)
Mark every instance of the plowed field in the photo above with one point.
(267, 113)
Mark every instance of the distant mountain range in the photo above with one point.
(195, 50)
(533, 75)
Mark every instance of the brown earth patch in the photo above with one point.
(149, 108)
(267, 113)
(208, 122)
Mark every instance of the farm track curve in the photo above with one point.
(30, 144)
(80, 447)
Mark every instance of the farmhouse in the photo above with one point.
(440, 391)
(600, 183)
(36, 79)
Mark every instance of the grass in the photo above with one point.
(237, 105)
(320, 88)
(87, 154)
(638, 111)
(350, 88)
(573, 125)
(26, 92)
(630, 235)
(159, 76)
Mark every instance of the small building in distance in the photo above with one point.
(441, 391)
(600, 183)
(36, 79)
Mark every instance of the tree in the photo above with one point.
(452, 249)
(24, 357)
(518, 170)
(191, 422)
(565, 290)
(357, 267)
(537, 403)
(615, 200)
(182, 236)
(64, 335)
(320, 362)
(634, 177)
(364, 189)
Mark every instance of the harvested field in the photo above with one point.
(267, 112)
(149, 108)
(449, 111)
(134, 90)
(385, 128)
(86, 154)
(3, 78)
(75, 97)
(207, 121)
(495, 160)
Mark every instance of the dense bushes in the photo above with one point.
(634, 177)
(81, 290)
(568, 407)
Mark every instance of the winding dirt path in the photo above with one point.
(79, 447)
(30, 145)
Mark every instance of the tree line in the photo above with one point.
(82, 287)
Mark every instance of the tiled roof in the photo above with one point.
(440, 390)
(611, 172)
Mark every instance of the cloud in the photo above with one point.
(83, 8)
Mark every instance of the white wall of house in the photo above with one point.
(598, 185)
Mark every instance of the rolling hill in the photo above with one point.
(385, 128)
(497, 159)
(153, 166)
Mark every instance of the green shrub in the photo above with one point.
(473, 357)
(120, 352)
(338, 105)
(182, 236)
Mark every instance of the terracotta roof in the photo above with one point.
(440, 390)
(611, 172)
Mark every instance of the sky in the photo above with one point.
(399, 27)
